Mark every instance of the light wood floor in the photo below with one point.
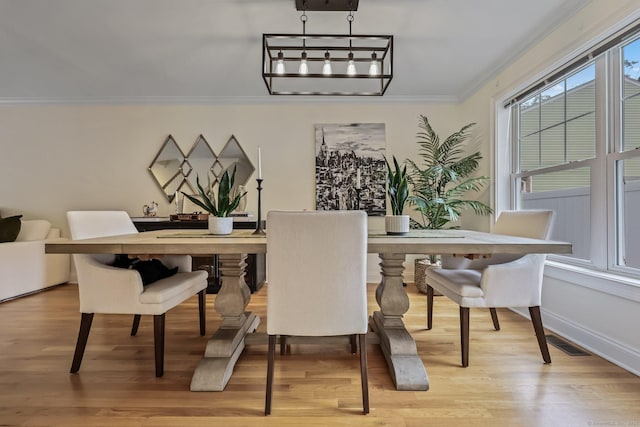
(506, 383)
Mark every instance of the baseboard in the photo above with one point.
(605, 347)
(37, 291)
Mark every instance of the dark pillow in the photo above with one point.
(150, 271)
(10, 228)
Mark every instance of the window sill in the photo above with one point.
(612, 284)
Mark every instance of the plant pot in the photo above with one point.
(396, 224)
(419, 274)
(220, 225)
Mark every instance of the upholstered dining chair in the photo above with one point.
(501, 280)
(316, 263)
(106, 289)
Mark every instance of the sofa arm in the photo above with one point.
(514, 284)
(106, 289)
(57, 266)
(34, 229)
(21, 268)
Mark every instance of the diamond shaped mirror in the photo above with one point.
(233, 155)
(202, 159)
(170, 168)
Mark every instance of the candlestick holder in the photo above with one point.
(358, 198)
(259, 229)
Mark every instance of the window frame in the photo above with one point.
(604, 217)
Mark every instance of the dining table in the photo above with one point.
(238, 326)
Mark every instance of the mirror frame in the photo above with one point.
(179, 175)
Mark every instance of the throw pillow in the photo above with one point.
(10, 228)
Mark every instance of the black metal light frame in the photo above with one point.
(339, 47)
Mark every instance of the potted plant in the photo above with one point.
(398, 189)
(439, 183)
(219, 210)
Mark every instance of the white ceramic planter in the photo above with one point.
(220, 225)
(396, 224)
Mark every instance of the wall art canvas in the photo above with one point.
(350, 168)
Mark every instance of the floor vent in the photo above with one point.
(565, 346)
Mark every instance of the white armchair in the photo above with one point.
(112, 290)
(499, 281)
(24, 267)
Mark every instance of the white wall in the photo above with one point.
(599, 316)
(56, 158)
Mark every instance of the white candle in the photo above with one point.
(259, 163)
(358, 178)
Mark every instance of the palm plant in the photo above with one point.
(225, 204)
(445, 175)
(398, 186)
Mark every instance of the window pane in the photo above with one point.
(581, 138)
(581, 93)
(568, 194)
(631, 123)
(631, 68)
(530, 152)
(557, 125)
(530, 117)
(552, 106)
(628, 253)
(552, 143)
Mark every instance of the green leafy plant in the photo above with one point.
(225, 203)
(398, 186)
(445, 175)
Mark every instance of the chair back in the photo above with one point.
(95, 297)
(90, 224)
(316, 264)
(533, 223)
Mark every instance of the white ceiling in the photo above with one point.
(210, 50)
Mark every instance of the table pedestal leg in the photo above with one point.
(226, 345)
(397, 345)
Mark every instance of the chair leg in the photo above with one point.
(536, 319)
(464, 335)
(158, 338)
(429, 307)
(363, 373)
(136, 323)
(494, 317)
(354, 343)
(202, 311)
(283, 345)
(270, 362)
(83, 335)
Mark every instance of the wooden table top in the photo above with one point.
(194, 242)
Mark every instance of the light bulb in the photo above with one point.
(351, 65)
(326, 68)
(304, 69)
(280, 64)
(374, 69)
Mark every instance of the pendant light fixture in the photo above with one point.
(327, 64)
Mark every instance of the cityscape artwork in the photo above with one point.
(350, 168)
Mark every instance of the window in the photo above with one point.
(577, 145)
